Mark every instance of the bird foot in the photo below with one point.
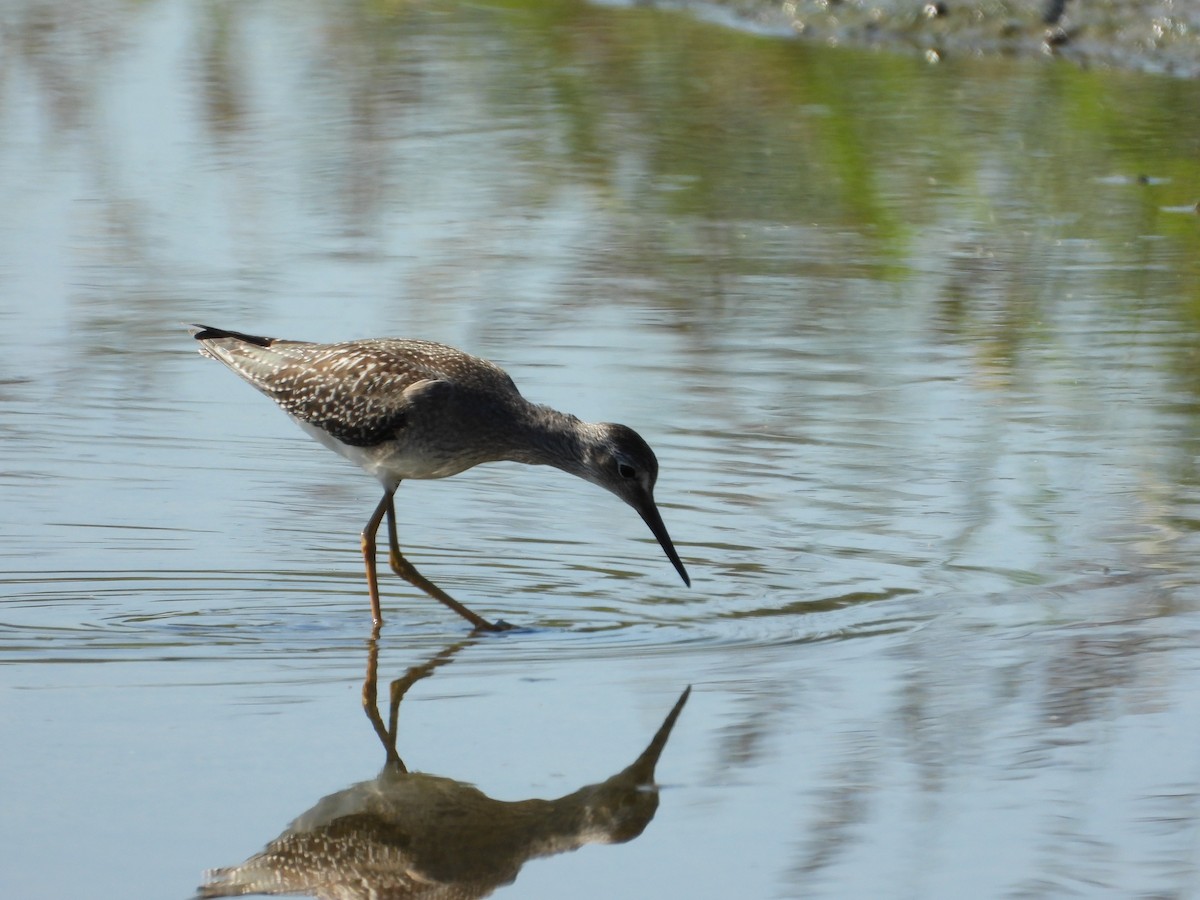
(500, 625)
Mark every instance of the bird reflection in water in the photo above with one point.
(410, 835)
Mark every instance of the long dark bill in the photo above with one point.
(650, 515)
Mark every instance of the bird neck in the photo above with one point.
(546, 437)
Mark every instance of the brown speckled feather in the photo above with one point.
(357, 391)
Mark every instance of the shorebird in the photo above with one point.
(415, 409)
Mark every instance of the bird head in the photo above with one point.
(621, 462)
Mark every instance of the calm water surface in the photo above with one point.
(917, 348)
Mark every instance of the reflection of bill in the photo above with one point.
(408, 835)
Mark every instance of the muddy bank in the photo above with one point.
(1158, 36)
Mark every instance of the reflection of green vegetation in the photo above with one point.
(738, 128)
(708, 143)
(722, 166)
(721, 162)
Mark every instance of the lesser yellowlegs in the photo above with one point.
(415, 409)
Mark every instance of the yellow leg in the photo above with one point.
(368, 550)
(408, 572)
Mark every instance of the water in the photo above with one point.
(916, 347)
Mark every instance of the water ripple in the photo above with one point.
(89, 616)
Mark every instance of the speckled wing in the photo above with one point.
(359, 391)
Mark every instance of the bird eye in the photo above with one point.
(625, 470)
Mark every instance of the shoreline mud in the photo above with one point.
(1160, 36)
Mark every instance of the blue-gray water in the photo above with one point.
(916, 346)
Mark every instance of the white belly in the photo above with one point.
(389, 463)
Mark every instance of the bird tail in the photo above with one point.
(208, 333)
